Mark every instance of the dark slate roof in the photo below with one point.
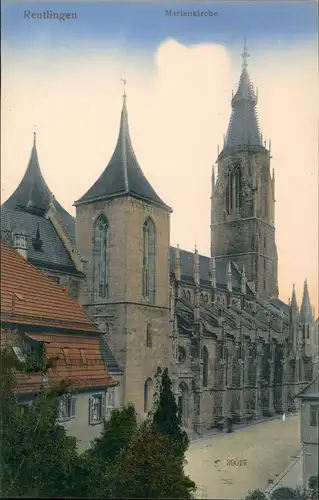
(279, 304)
(33, 195)
(108, 357)
(123, 175)
(53, 253)
(187, 269)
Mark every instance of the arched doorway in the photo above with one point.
(183, 403)
(148, 395)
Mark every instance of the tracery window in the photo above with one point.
(100, 258)
(233, 190)
(238, 189)
(148, 275)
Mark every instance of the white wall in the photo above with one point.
(79, 426)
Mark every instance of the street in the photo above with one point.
(227, 466)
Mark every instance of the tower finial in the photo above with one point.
(34, 137)
(124, 87)
(245, 54)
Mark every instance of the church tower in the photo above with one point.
(243, 197)
(123, 230)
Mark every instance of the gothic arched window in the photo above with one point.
(229, 192)
(205, 366)
(148, 278)
(238, 189)
(100, 258)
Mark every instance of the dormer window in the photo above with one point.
(20, 241)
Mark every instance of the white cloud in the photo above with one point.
(179, 108)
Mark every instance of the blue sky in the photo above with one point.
(144, 26)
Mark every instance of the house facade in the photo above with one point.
(233, 348)
(40, 321)
(309, 430)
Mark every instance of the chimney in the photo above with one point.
(20, 243)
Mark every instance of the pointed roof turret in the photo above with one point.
(33, 195)
(306, 315)
(294, 304)
(123, 174)
(243, 130)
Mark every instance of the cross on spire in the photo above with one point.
(245, 55)
(124, 86)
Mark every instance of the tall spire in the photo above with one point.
(123, 174)
(196, 268)
(243, 129)
(294, 304)
(306, 314)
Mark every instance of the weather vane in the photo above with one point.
(245, 55)
(124, 86)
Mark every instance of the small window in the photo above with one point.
(96, 409)
(149, 337)
(264, 284)
(66, 407)
(20, 355)
(308, 334)
(55, 279)
(314, 412)
(110, 402)
(265, 264)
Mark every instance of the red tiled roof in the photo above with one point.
(29, 297)
(80, 363)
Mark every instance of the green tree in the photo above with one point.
(151, 469)
(256, 495)
(166, 418)
(286, 494)
(97, 466)
(37, 457)
(313, 484)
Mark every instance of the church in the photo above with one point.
(233, 348)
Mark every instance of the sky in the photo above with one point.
(62, 79)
